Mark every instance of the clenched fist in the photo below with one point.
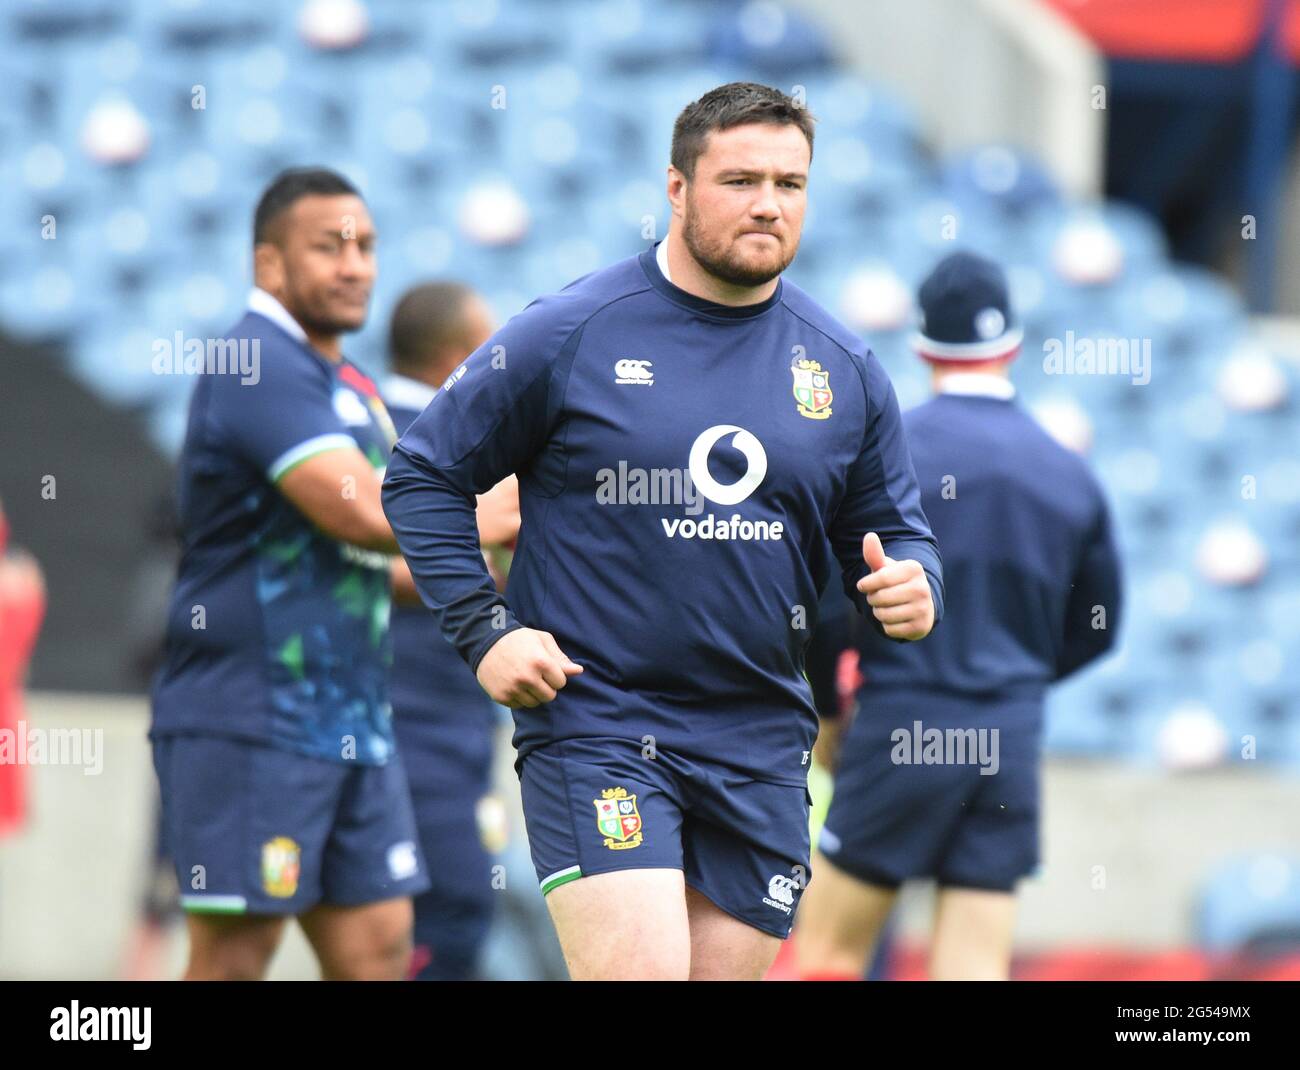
(525, 668)
(897, 591)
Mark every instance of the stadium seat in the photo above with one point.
(161, 244)
(1251, 903)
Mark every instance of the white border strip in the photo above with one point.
(296, 455)
(995, 347)
(570, 871)
(215, 903)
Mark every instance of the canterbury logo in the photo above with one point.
(781, 892)
(782, 887)
(634, 373)
(755, 465)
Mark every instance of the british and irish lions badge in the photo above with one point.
(617, 819)
(812, 389)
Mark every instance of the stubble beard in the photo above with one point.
(719, 260)
(322, 322)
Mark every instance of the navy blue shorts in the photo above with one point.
(256, 830)
(597, 805)
(453, 917)
(898, 813)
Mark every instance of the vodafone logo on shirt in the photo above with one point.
(755, 459)
(723, 528)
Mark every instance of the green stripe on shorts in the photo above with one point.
(562, 876)
(214, 904)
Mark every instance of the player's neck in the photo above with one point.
(688, 275)
(939, 375)
(327, 345)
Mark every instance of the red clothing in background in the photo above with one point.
(1189, 31)
(22, 607)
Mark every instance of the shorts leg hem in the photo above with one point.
(959, 883)
(868, 874)
(747, 921)
(559, 877)
(595, 873)
(407, 890)
(246, 909)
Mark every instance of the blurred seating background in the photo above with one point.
(519, 144)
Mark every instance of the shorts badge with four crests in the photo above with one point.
(281, 865)
(618, 819)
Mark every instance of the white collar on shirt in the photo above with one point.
(264, 304)
(977, 384)
(402, 392)
(661, 258)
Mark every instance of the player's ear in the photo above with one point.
(268, 267)
(676, 190)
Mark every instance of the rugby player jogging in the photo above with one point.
(699, 446)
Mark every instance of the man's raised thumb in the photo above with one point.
(872, 552)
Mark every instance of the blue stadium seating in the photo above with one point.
(1251, 903)
(590, 93)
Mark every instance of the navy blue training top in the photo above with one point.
(276, 633)
(687, 470)
(1030, 564)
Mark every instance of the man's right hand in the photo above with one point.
(525, 668)
(497, 513)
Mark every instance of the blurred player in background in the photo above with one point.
(1033, 588)
(273, 742)
(22, 608)
(652, 649)
(443, 719)
(145, 621)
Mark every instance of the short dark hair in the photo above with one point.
(428, 319)
(733, 104)
(290, 186)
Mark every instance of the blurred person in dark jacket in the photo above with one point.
(444, 721)
(939, 775)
